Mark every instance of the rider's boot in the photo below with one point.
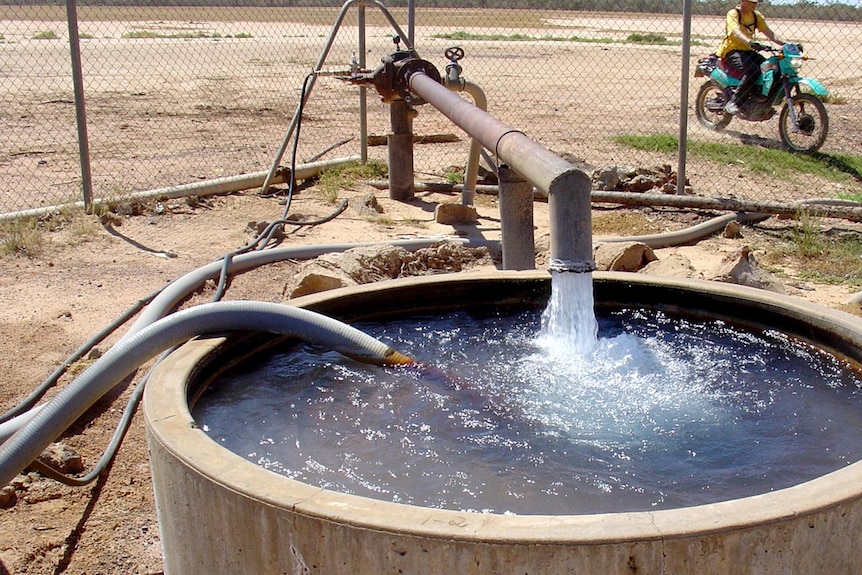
(731, 108)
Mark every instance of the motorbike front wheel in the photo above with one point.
(709, 106)
(811, 119)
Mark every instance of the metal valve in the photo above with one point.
(392, 77)
(453, 68)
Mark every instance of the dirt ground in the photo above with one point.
(87, 274)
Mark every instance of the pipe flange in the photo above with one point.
(571, 266)
(405, 69)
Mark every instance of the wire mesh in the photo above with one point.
(181, 94)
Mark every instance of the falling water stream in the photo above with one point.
(569, 320)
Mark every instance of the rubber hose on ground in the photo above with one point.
(129, 354)
(688, 235)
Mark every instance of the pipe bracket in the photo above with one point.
(578, 267)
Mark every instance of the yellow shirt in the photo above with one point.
(747, 24)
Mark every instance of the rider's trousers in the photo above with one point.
(748, 63)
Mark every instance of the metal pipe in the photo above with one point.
(363, 90)
(683, 98)
(217, 186)
(400, 149)
(294, 122)
(471, 173)
(821, 207)
(411, 20)
(568, 188)
(516, 221)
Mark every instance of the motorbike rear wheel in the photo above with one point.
(812, 120)
(709, 106)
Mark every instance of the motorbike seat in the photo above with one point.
(730, 70)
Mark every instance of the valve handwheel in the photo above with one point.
(454, 53)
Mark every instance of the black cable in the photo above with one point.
(116, 439)
(291, 188)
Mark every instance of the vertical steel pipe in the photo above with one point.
(568, 188)
(516, 220)
(400, 147)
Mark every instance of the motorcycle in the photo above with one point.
(802, 123)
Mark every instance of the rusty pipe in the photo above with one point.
(568, 188)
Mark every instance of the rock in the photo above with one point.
(62, 458)
(741, 268)
(626, 179)
(256, 228)
(314, 281)
(622, 256)
(452, 214)
(732, 230)
(445, 257)
(367, 206)
(609, 177)
(367, 264)
(8, 497)
(641, 183)
(674, 265)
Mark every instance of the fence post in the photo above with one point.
(683, 97)
(80, 111)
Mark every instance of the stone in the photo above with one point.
(367, 264)
(453, 214)
(8, 497)
(622, 256)
(62, 458)
(732, 230)
(742, 268)
(674, 265)
(367, 205)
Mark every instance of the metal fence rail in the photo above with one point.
(178, 95)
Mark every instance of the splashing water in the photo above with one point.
(663, 413)
(569, 321)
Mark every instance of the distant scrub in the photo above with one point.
(801, 9)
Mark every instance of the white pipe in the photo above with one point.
(225, 185)
(122, 359)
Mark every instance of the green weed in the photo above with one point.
(45, 35)
(331, 181)
(21, 237)
(781, 164)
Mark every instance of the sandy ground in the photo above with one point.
(86, 275)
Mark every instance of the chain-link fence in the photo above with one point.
(180, 94)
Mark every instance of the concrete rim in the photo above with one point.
(170, 423)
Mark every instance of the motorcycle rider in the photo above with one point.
(739, 49)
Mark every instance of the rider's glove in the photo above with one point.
(757, 46)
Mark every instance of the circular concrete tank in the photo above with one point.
(219, 513)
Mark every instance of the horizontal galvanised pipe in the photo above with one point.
(568, 188)
(217, 186)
